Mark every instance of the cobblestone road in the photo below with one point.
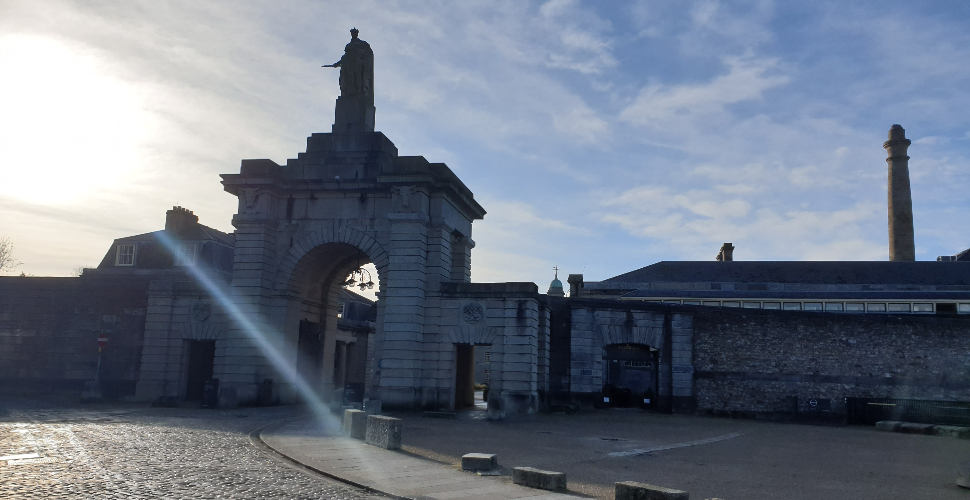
(136, 452)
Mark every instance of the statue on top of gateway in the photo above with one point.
(355, 110)
(356, 68)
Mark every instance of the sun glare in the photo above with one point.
(67, 127)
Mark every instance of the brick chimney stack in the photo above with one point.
(178, 219)
(902, 246)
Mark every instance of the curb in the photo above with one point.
(255, 437)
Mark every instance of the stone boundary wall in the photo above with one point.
(597, 324)
(49, 327)
(777, 361)
(507, 317)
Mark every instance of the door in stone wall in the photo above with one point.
(202, 355)
(464, 376)
(629, 374)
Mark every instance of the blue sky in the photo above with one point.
(600, 136)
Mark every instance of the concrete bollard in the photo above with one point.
(542, 479)
(888, 425)
(952, 431)
(631, 490)
(911, 428)
(479, 461)
(384, 432)
(355, 423)
(963, 475)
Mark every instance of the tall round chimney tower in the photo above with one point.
(901, 243)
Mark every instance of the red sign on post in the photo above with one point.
(102, 340)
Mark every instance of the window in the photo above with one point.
(793, 306)
(876, 307)
(752, 305)
(923, 308)
(964, 308)
(855, 307)
(772, 305)
(732, 304)
(813, 306)
(899, 308)
(692, 302)
(712, 303)
(187, 253)
(671, 302)
(125, 255)
(833, 306)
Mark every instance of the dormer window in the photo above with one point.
(187, 254)
(125, 255)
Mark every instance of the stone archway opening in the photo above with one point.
(630, 373)
(329, 324)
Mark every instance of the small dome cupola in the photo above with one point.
(555, 288)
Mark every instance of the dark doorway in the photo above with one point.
(309, 355)
(202, 356)
(630, 374)
(464, 376)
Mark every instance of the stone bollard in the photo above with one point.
(542, 479)
(888, 425)
(952, 431)
(355, 423)
(630, 490)
(479, 461)
(372, 406)
(963, 475)
(384, 432)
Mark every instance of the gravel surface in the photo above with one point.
(137, 452)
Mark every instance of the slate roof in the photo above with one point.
(905, 295)
(804, 272)
(196, 232)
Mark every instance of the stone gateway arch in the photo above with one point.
(302, 227)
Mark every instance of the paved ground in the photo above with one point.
(319, 445)
(137, 452)
(708, 457)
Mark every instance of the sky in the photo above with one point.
(601, 137)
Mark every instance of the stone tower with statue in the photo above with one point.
(303, 227)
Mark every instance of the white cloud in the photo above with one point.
(659, 106)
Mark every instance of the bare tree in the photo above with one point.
(7, 262)
(79, 270)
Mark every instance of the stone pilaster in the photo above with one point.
(404, 301)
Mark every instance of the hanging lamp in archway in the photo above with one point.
(359, 277)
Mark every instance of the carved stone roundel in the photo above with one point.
(473, 312)
(201, 311)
